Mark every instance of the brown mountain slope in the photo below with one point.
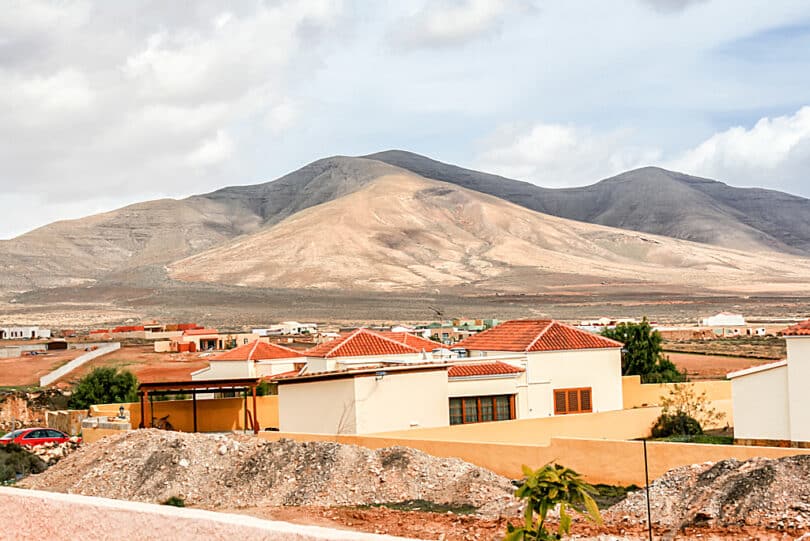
(403, 231)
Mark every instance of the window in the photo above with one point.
(481, 409)
(576, 400)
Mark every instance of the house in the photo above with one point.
(23, 333)
(771, 403)
(723, 319)
(566, 370)
(287, 327)
(483, 391)
(364, 401)
(363, 347)
(255, 359)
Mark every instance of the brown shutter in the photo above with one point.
(559, 402)
(585, 400)
(573, 401)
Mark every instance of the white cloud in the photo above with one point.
(212, 151)
(774, 152)
(561, 155)
(453, 22)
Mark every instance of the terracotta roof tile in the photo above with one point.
(359, 343)
(525, 335)
(257, 351)
(282, 375)
(800, 329)
(483, 369)
(411, 340)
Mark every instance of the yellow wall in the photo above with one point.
(600, 461)
(218, 415)
(92, 435)
(637, 394)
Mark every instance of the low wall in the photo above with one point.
(68, 421)
(599, 461)
(213, 415)
(76, 363)
(637, 394)
(36, 514)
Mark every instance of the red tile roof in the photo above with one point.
(411, 340)
(800, 329)
(359, 343)
(483, 369)
(197, 332)
(257, 351)
(535, 335)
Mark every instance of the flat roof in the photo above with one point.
(184, 385)
(344, 374)
(756, 369)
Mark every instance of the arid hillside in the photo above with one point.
(406, 232)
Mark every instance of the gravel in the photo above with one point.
(232, 471)
(769, 493)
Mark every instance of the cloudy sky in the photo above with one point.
(108, 103)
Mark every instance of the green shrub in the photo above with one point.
(104, 385)
(16, 462)
(679, 424)
(175, 501)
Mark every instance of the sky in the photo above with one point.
(105, 104)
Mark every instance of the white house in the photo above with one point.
(723, 319)
(364, 346)
(287, 327)
(255, 359)
(771, 402)
(23, 333)
(565, 369)
(364, 401)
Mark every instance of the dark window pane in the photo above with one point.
(455, 411)
(559, 402)
(573, 401)
(585, 399)
(486, 409)
(470, 410)
(502, 410)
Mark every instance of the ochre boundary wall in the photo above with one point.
(600, 461)
(213, 415)
(636, 394)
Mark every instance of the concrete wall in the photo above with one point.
(278, 366)
(36, 514)
(318, 407)
(798, 374)
(636, 394)
(68, 421)
(761, 407)
(402, 400)
(76, 363)
(600, 461)
(485, 386)
(227, 370)
(217, 415)
(10, 352)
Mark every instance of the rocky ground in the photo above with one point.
(405, 492)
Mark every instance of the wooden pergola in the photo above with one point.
(236, 385)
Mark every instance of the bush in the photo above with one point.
(175, 501)
(679, 424)
(104, 386)
(16, 462)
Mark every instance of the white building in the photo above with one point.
(566, 370)
(364, 347)
(23, 333)
(255, 359)
(771, 402)
(287, 327)
(723, 319)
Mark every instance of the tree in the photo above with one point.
(685, 413)
(104, 385)
(643, 354)
(545, 489)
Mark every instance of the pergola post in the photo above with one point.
(194, 408)
(255, 413)
(143, 413)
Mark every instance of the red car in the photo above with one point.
(35, 436)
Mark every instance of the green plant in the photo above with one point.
(685, 413)
(643, 353)
(545, 489)
(104, 385)
(175, 501)
(16, 462)
(678, 424)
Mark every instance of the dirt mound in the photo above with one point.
(217, 471)
(774, 494)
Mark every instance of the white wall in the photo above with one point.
(484, 386)
(599, 369)
(278, 366)
(226, 370)
(798, 374)
(317, 407)
(402, 400)
(760, 405)
(319, 364)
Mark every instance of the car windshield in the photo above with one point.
(12, 435)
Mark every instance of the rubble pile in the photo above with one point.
(51, 453)
(768, 493)
(219, 471)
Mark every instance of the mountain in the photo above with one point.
(651, 200)
(158, 232)
(402, 231)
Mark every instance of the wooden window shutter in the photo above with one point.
(585, 400)
(573, 400)
(559, 402)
